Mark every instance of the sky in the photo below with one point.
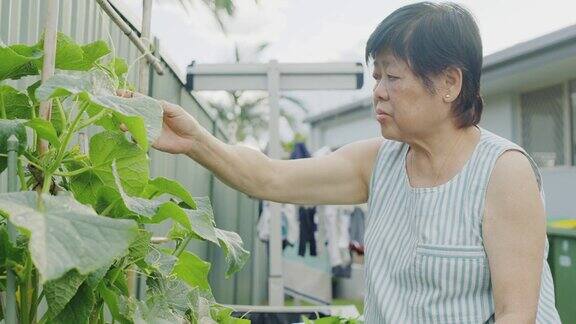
(328, 31)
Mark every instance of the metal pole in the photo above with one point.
(275, 281)
(49, 61)
(131, 35)
(134, 279)
(11, 317)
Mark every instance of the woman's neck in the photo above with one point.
(442, 153)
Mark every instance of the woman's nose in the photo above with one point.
(379, 91)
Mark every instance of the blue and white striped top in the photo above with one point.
(425, 261)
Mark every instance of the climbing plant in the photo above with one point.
(81, 216)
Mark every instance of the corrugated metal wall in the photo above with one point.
(21, 21)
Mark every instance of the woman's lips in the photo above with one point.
(381, 115)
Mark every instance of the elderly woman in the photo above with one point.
(456, 224)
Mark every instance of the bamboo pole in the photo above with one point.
(145, 37)
(49, 62)
(11, 314)
(131, 35)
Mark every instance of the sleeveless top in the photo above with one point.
(425, 260)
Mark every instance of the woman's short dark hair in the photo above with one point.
(431, 37)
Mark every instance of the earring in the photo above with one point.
(447, 96)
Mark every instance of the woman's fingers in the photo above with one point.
(124, 93)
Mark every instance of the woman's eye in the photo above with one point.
(376, 77)
(391, 77)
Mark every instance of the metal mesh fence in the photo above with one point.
(543, 125)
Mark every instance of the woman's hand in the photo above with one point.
(179, 129)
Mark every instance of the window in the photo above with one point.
(544, 125)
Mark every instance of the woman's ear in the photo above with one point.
(452, 84)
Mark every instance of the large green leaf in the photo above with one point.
(142, 115)
(79, 308)
(60, 291)
(161, 185)
(8, 128)
(72, 56)
(193, 270)
(16, 104)
(131, 161)
(235, 254)
(67, 235)
(17, 61)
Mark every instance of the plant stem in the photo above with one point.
(69, 131)
(35, 298)
(64, 119)
(21, 176)
(47, 183)
(73, 173)
(180, 248)
(89, 121)
(109, 208)
(2, 108)
(36, 304)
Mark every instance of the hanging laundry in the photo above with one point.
(357, 230)
(289, 223)
(307, 229)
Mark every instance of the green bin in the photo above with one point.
(562, 260)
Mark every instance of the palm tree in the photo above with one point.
(244, 114)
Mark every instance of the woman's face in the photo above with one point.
(404, 107)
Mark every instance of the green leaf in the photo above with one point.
(162, 262)
(193, 270)
(142, 115)
(94, 278)
(91, 54)
(31, 90)
(156, 313)
(140, 206)
(16, 104)
(223, 315)
(45, 130)
(109, 200)
(140, 247)
(79, 308)
(8, 128)
(67, 235)
(60, 291)
(131, 161)
(85, 186)
(17, 61)
(117, 304)
(161, 185)
(167, 294)
(199, 221)
(235, 254)
(72, 56)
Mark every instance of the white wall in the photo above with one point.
(345, 129)
(498, 115)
